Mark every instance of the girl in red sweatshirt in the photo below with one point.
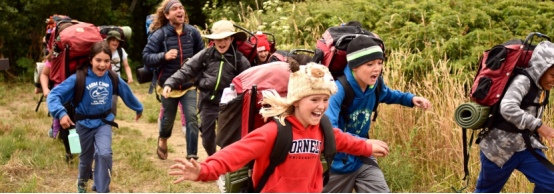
(309, 89)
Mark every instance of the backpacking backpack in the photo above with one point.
(497, 68)
(71, 49)
(331, 49)
(281, 55)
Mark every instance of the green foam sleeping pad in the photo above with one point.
(471, 115)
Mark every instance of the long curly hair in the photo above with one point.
(160, 19)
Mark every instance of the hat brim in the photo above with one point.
(110, 37)
(239, 36)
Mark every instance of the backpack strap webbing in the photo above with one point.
(528, 100)
(80, 85)
(377, 96)
(329, 147)
(348, 98)
(279, 152)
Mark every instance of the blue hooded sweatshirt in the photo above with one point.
(96, 100)
(360, 116)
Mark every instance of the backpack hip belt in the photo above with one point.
(102, 116)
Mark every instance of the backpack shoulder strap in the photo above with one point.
(115, 81)
(281, 148)
(80, 82)
(377, 95)
(329, 146)
(348, 98)
(120, 53)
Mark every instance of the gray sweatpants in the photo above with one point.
(96, 144)
(367, 179)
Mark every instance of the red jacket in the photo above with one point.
(302, 170)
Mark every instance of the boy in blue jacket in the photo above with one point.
(365, 61)
(95, 134)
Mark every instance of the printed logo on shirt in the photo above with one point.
(116, 63)
(99, 93)
(305, 146)
(360, 118)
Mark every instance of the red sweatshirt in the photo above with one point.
(302, 170)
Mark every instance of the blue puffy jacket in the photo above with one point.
(188, 43)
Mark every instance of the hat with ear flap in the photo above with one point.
(310, 79)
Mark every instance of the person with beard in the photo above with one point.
(213, 69)
(172, 42)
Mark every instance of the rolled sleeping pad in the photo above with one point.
(127, 32)
(471, 115)
(38, 71)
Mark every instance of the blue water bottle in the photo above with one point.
(74, 143)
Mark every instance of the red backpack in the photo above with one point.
(71, 49)
(331, 49)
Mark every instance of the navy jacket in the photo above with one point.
(188, 43)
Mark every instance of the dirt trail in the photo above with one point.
(176, 143)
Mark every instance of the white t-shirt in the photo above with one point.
(116, 61)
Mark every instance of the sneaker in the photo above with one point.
(221, 183)
(51, 133)
(93, 188)
(81, 186)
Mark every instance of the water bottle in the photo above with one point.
(228, 94)
(74, 143)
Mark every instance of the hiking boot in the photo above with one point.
(192, 156)
(221, 183)
(81, 186)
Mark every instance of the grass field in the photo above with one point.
(426, 147)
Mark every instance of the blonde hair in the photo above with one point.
(273, 105)
(160, 17)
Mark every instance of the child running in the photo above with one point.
(309, 89)
(513, 138)
(93, 115)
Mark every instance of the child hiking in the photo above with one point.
(213, 69)
(114, 40)
(360, 86)
(504, 148)
(93, 120)
(309, 89)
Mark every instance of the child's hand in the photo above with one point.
(45, 93)
(37, 90)
(138, 117)
(379, 148)
(548, 133)
(166, 92)
(187, 170)
(171, 54)
(66, 122)
(421, 102)
(130, 81)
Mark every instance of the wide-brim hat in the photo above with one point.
(223, 29)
